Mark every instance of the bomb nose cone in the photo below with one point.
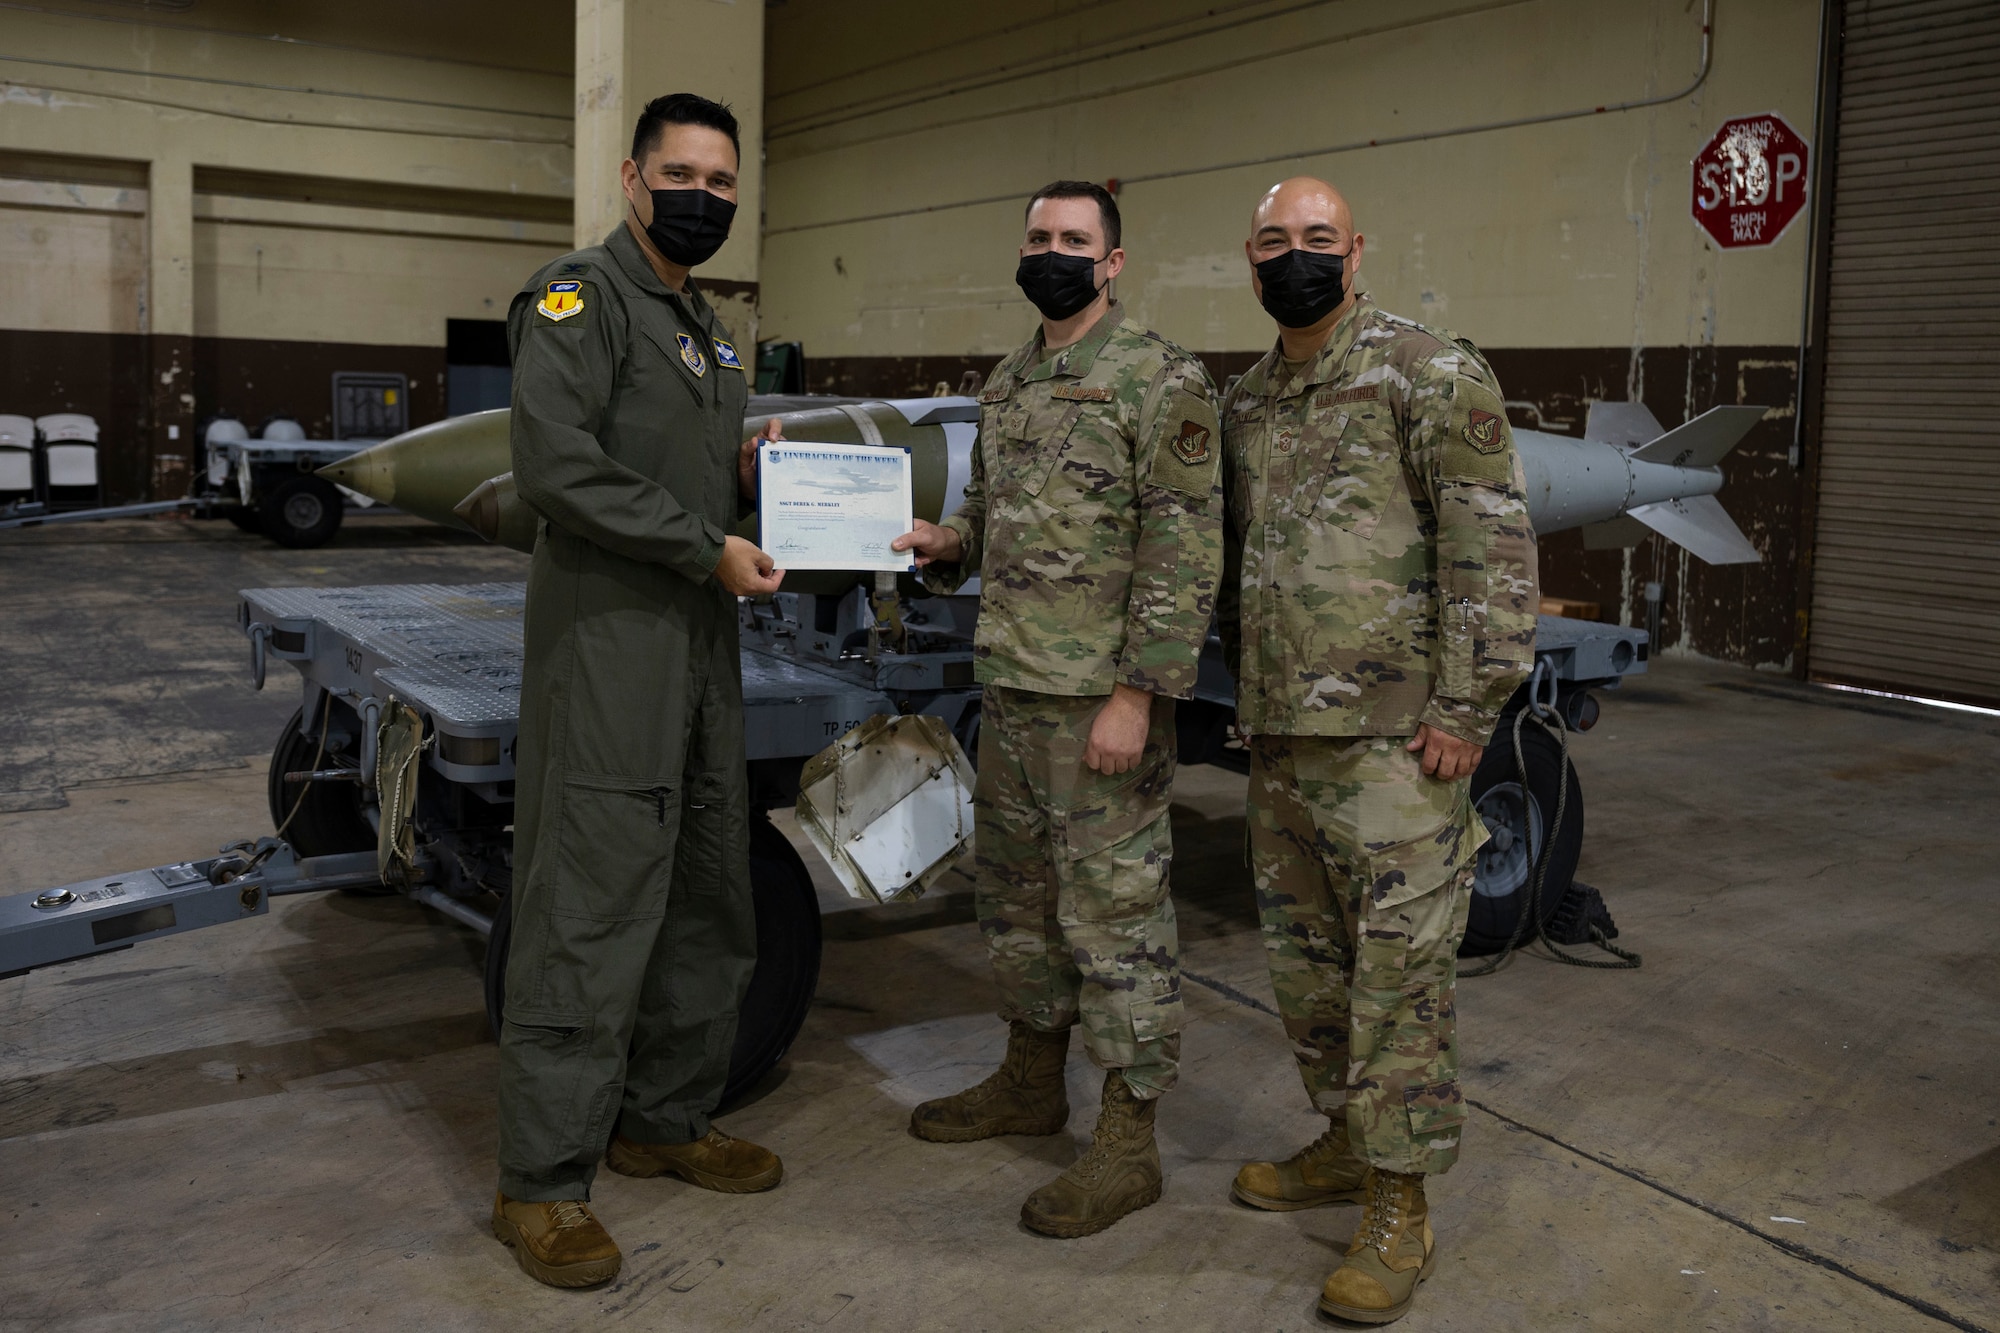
(428, 470)
(371, 472)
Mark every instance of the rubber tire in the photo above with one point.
(331, 820)
(1491, 921)
(245, 518)
(781, 988)
(279, 527)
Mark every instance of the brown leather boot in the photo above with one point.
(1024, 1096)
(1327, 1170)
(560, 1242)
(1118, 1174)
(715, 1162)
(1392, 1251)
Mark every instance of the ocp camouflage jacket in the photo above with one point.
(1381, 566)
(1093, 516)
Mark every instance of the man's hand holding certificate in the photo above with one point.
(833, 506)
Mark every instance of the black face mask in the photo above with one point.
(1301, 286)
(1059, 285)
(689, 226)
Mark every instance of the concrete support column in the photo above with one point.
(631, 51)
(169, 327)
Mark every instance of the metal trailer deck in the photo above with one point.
(813, 669)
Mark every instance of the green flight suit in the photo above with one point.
(633, 931)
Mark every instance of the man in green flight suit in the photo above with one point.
(1377, 611)
(633, 931)
(1093, 518)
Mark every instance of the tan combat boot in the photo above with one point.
(1118, 1174)
(1390, 1254)
(1328, 1170)
(715, 1162)
(1025, 1096)
(560, 1242)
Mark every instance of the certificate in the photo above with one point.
(833, 506)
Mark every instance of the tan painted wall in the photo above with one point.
(73, 256)
(443, 97)
(1571, 234)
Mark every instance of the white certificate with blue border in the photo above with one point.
(833, 506)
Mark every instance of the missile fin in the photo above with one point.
(1703, 526)
(1622, 424)
(1703, 442)
(1614, 533)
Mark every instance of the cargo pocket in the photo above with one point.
(1111, 854)
(1405, 871)
(616, 848)
(705, 835)
(1437, 1122)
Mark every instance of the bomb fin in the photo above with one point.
(1703, 526)
(1703, 442)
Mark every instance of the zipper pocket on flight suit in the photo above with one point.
(615, 847)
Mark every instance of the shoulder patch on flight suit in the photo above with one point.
(561, 300)
(1186, 462)
(572, 269)
(1476, 444)
(725, 355)
(692, 354)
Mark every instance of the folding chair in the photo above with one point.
(69, 459)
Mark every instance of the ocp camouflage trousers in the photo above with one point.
(1363, 869)
(1071, 867)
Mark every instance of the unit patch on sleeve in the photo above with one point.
(1186, 457)
(561, 300)
(1482, 431)
(692, 354)
(1192, 445)
(725, 355)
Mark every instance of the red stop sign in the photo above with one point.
(1750, 181)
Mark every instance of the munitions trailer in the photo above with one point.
(814, 667)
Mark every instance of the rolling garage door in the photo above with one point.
(1906, 591)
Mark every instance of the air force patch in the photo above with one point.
(1482, 431)
(725, 355)
(1191, 446)
(561, 300)
(692, 354)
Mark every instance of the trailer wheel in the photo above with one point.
(497, 941)
(788, 945)
(781, 989)
(300, 512)
(1518, 828)
(329, 819)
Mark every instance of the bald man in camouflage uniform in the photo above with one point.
(1378, 610)
(1093, 517)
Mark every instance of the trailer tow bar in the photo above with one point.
(115, 912)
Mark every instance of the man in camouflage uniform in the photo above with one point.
(1377, 610)
(1093, 517)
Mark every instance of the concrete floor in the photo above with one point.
(1785, 1120)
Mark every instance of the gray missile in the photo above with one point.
(1627, 478)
